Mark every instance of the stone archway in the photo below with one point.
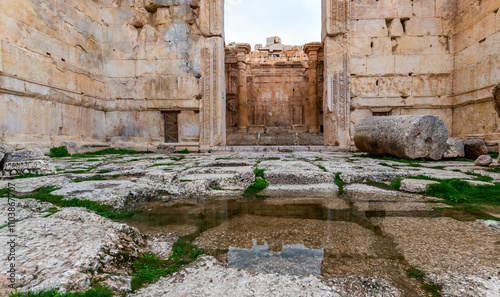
(336, 98)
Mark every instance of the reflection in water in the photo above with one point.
(293, 259)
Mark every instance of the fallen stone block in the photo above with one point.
(484, 161)
(456, 148)
(413, 137)
(474, 148)
(416, 185)
(25, 155)
(25, 167)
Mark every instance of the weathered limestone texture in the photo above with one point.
(91, 242)
(26, 161)
(476, 45)
(456, 148)
(337, 99)
(484, 161)
(416, 185)
(411, 137)
(104, 71)
(401, 58)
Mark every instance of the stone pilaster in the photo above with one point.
(336, 102)
(212, 83)
(211, 20)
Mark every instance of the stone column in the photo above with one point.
(311, 49)
(243, 50)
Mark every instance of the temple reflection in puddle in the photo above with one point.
(294, 259)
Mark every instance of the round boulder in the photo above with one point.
(484, 160)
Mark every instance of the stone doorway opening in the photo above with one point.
(171, 126)
(274, 94)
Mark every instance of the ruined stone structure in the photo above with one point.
(274, 94)
(148, 72)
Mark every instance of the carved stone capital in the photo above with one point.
(312, 48)
(244, 48)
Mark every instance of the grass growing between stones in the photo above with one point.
(97, 177)
(394, 185)
(494, 170)
(430, 287)
(322, 168)
(149, 268)
(94, 292)
(463, 196)
(58, 152)
(339, 183)
(109, 151)
(44, 195)
(28, 175)
(259, 185)
(458, 191)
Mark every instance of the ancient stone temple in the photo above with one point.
(149, 74)
(274, 94)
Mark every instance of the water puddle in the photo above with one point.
(318, 236)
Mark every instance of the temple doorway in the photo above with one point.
(274, 94)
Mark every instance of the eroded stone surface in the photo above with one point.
(416, 185)
(484, 161)
(441, 247)
(207, 277)
(61, 251)
(456, 148)
(410, 137)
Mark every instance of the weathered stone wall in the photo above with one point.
(477, 69)
(401, 57)
(104, 70)
(51, 86)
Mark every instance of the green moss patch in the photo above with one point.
(44, 194)
(430, 287)
(149, 268)
(259, 185)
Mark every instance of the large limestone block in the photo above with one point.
(474, 148)
(456, 148)
(414, 137)
(25, 155)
